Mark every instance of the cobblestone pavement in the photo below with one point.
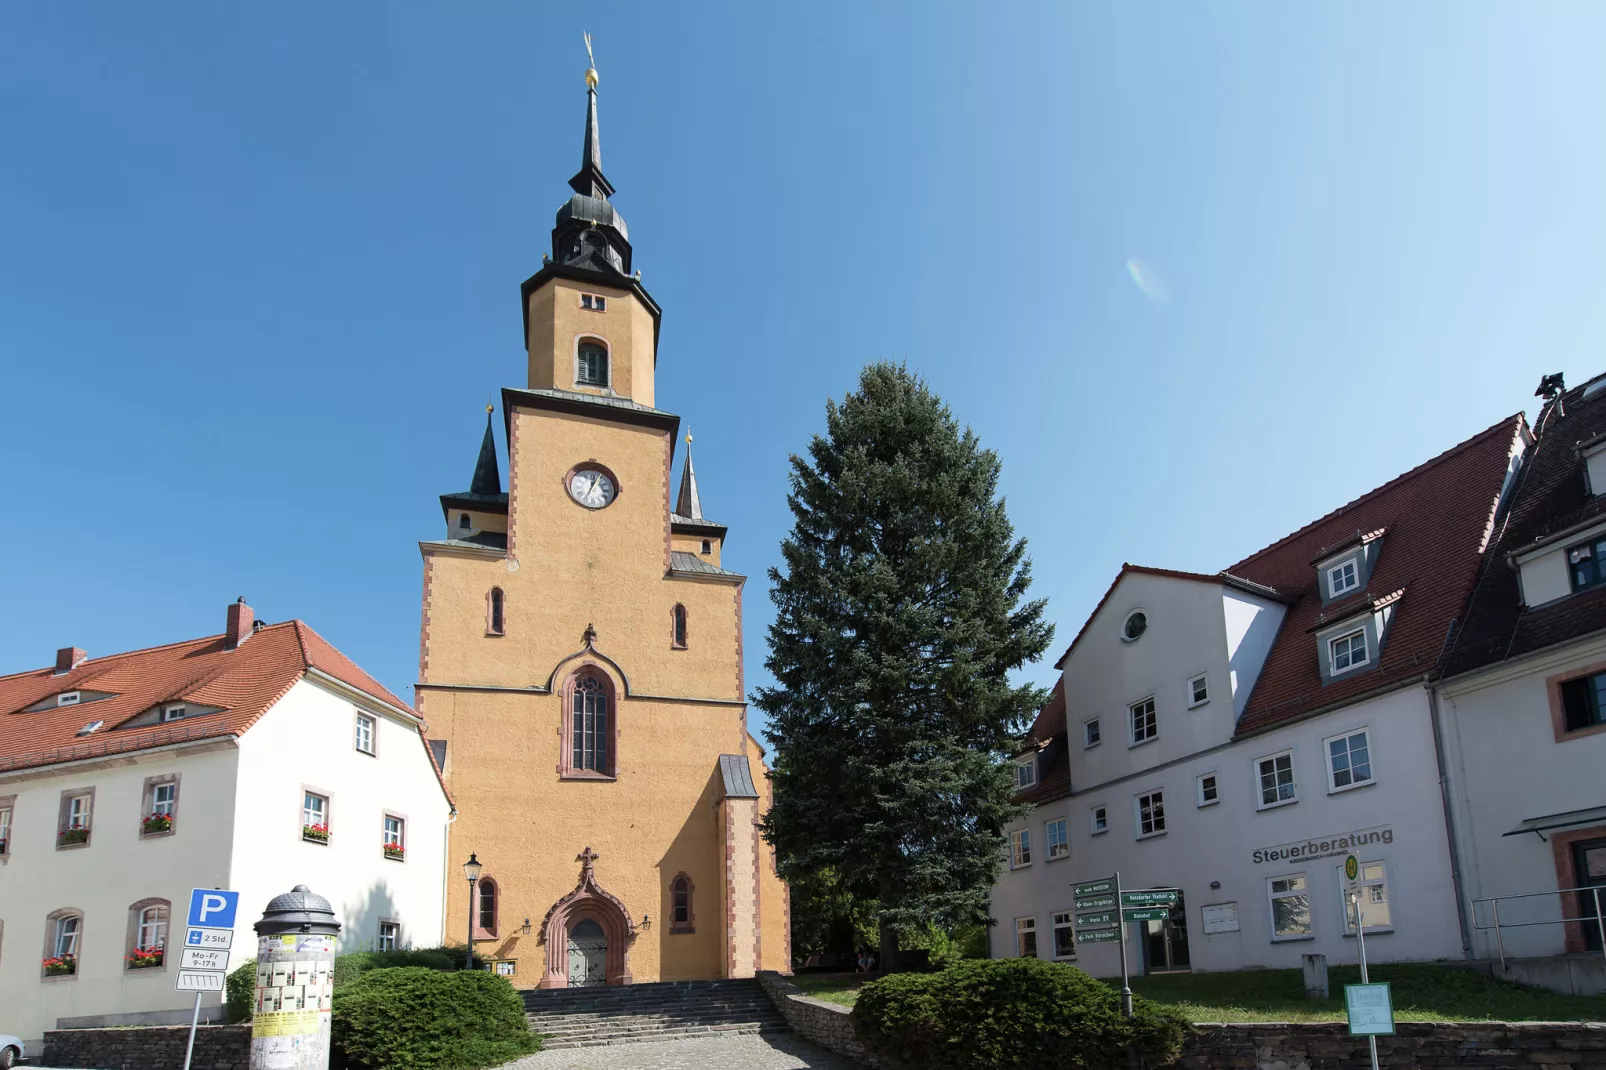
(774, 1052)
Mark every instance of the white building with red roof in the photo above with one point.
(253, 760)
(1236, 735)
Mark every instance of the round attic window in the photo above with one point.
(1137, 622)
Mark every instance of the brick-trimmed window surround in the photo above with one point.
(1274, 775)
(1578, 702)
(365, 734)
(1349, 760)
(8, 805)
(1289, 901)
(1145, 726)
(75, 819)
(315, 814)
(395, 837)
(682, 918)
(591, 362)
(145, 944)
(487, 904)
(1563, 844)
(588, 725)
(677, 627)
(1586, 564)
(1026, 938)
(158, 811)
(495, 612)
(64, 936)
(1150, 813)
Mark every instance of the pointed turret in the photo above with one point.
(590, 232)
(589, 180)
(689, 504)
(487, 477)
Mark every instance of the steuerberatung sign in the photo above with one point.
(1326, 846)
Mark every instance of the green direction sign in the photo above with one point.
(1097, 902)
(1095, 887)
(1146, 914)
(1153, 898)
(1095, 921)
(1098, 936)
(1370, 1009)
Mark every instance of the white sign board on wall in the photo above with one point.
(1219, 918)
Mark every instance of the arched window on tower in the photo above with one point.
(462, 521)
(681, 918)
(590, 733)
(494, 612)
(677, 627)
(592, 366)
(485, 909)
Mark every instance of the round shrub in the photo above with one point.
(424, 1019)
(240, 991)
(1023, 1013)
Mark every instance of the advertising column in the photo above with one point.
(295, 982)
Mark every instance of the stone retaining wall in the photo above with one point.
(1297, 1046)
(157, 1047)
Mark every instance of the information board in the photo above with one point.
(1370, 1009)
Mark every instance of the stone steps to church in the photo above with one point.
(588, 1017)
(655, 1036)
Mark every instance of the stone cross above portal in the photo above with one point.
(586, 858)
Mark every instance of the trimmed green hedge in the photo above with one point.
(424, 1019)
(1019, 1013)
(240, 989)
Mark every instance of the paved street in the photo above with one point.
(782, 1052)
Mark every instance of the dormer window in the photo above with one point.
(173, 713)
(91, 727)
(594, 302)
(1343, 578)
(1348, 651)
(1026, 773)
(1584, 564)
(67, 698)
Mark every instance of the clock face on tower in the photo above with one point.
(591, 488)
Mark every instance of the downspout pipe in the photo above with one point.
(1456, 879)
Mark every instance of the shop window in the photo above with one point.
(1290, 907)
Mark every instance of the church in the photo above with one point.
(580, 659)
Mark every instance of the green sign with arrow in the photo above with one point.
(1094, 921)
(1097, 902)
(1094, 887)
(1151, 898)
(1098, 936)
(1146, 914)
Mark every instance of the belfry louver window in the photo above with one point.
(592, 369)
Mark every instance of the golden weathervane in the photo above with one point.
(591, 70)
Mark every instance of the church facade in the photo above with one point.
(580, 662)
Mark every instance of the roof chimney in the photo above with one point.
(67, 659)
(240, 624)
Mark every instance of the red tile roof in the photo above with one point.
(244, 682)
(1438, 518)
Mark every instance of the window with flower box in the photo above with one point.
(314, 817)
(63, 929)
(395, 837)
(6, 806)
(74, 820)
(147, 934)
(159, 811)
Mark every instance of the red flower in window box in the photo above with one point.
(157, 823)
(61, 964)
(145, 958)
(75, 834)
(315, 833)
(395, 850)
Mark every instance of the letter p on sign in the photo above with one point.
(213, 908)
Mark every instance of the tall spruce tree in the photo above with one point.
(900, 614)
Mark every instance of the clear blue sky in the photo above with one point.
(259, 269)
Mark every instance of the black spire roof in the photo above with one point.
(487, 478)
(590, 233)
(590, 181)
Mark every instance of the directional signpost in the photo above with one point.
(204, 962)
(1103, 908)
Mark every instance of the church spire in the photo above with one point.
(589, 180)
(689, 505)
(487, 478)
(590, 232)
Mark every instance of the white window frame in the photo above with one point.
(1333, 669)
(1353, 562)
(311, 815)
(1026, 773)
(175, 712)
(1064, 846)
(1365, 883)
(360, 737)
(157, 926)
(62, 934)
(1271, 909)
(1020, 848)
(394, 935)
(1158, 829)
(1132, 716)
(81, 811)
(1333, 786)
(168, 806)
(1194, 684)
(1057, 921)
(1199, 782)
(1023, 926)
(5, 830)
(1293, 781)
(1092, 733)
(68, 698)
(399, 839)
(1098, 819)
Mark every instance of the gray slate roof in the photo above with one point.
(590, 399)
(681, 561)
(738, 777)
(696, 522)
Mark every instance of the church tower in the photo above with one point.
(580, 657)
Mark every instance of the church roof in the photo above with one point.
(588, 405)
(681, 561)
(738, 777)
(689, 504)
(487, 481)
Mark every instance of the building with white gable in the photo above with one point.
(1236, 735)
(254, 760)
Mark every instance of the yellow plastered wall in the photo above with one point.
(557, 322)
(775, 907)
(693, 544)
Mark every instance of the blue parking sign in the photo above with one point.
(213, 908)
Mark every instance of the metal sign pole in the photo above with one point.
(1360, 942)
(194, 1020)
(1120, 925)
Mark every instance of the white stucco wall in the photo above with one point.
(1545, 575)
(104, 878)
(1506, 766)
(1251, 625)
(306, 743)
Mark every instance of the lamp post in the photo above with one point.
(471, 870)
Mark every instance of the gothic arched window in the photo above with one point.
(677, 627)
(590, 731)
(485, 909)
(462, 521)
(493, 620)
(592, 364)
(680, 911)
